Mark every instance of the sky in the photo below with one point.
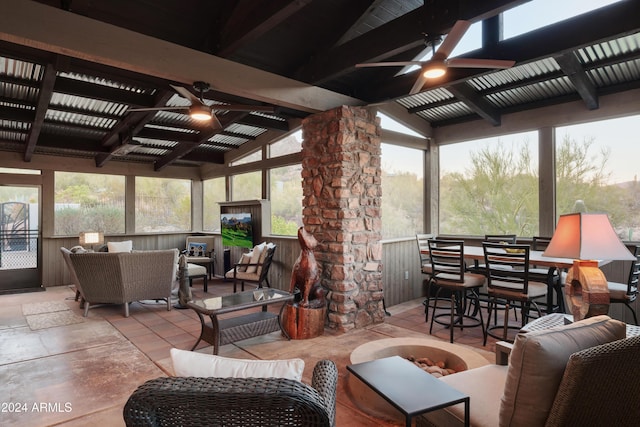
(619, 134)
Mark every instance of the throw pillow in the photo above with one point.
(244, 259)
(193, 364)
(537, 363)
(255, 257)
(124, 246)
(197, 249)
(263, 255)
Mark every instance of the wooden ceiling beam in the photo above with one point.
(44, 98)
(473, 100)
(13, 114)
(104, 93)
(199, 156)
(574, 70)
(251, 19)
(264, 122)
(72, 143)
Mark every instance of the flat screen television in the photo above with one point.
(236, 230)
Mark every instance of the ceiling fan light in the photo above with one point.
(434, 71)
(200, 112)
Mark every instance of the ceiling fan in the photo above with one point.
(439, 62)
(200, 111)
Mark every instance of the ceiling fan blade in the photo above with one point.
(417, 86)
(389, 64)
(215, 122)
(186, 94)
(453, 38)
(157, 109)
(242, 107)
(479, 63)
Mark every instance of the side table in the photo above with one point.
(408, 388)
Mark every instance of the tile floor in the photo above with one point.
(82, 373)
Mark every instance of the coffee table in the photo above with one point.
(228, 330)
(408, 388)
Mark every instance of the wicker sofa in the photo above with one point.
(123, 277)
(582, 374)
(197, 401)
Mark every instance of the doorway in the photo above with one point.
(20, 249)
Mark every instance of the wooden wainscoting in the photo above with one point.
(398, 257)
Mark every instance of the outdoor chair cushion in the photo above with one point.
(194, 364)
(124, 246)
(537, 363)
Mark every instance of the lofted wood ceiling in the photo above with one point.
(71, 69)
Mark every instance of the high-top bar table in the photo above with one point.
(408, 388)
(535, 258)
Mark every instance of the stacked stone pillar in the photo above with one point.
(341, 208)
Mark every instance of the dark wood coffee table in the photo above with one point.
(232, 329)
(408, 388)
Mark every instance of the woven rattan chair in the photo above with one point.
(549, 383)
(192, 401)
(121, 278)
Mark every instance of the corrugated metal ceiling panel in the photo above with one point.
(79, 119)
(105, 82)
(72, 131)
(90, 105)
(425, 98)
(21, 69)
(534, 92)
(512, 75)
(246, 130)
(449, 111)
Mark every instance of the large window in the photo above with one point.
(246, 186)
(213, 192)
(86, 202)
(490, 186)
(289, 145)
(162, 205)
(286, 200)
(597, 171)
(402, 191)
(539, 13)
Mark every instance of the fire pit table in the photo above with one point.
(408, 388)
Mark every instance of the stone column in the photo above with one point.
(341, 208)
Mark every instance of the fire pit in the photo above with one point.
(455, 357)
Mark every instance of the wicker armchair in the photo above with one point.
(584, 374)
(121, 278)
(192, 401)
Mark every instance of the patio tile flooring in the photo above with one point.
(83, 373)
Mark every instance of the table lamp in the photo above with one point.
(91, 238)
(587, 238)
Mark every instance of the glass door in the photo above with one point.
(20, 239)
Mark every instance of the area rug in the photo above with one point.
(49, 314)
(51, 320)
(43, 307)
